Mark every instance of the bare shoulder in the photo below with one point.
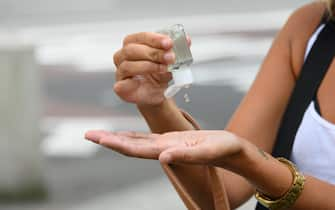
(308, 16)
(259, 115)
(300, 27)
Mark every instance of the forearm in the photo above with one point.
(165, 117)
(168, 117)
(273, 179)
(239, 190)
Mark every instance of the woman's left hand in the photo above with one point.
(186, 147)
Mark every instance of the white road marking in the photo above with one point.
(240, 78)
(66, 135)
(90, 46)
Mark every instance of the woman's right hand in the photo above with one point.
(142, 68)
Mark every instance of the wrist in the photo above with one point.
(165, 117)
(239, 163)
(289, 198)
(154, 107)
(263, 171)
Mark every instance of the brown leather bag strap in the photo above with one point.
(191, 120)
(218, 190)
(180, 188)
(207, 192)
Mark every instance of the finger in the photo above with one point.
(138, 52)
(136, 135)
(154, 40)
(163, 77)
(117, 58)
(186, 155)
(95, 135)
(132, 68)
(139, 147)
(189, 41)
(123, 89)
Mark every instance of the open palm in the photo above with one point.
(192, 147)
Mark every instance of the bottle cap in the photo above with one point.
(181, 77)
(171, 91)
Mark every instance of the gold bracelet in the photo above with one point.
(289, 198)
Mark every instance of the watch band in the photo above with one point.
(287, 200)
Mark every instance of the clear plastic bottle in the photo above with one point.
(181, 71)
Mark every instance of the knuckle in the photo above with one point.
(134, 38)
(158, 67)
(151, 67)
(144, 36)
(124, 68)
(124, 65)
(128, 51)
(115, 89)
(127, 39)
(118, 75)
(116, 58)
(155, 55)
(154, 40)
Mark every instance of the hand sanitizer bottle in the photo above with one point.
(181, 71)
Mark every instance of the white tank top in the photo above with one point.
(314, 146)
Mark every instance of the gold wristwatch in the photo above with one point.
(289, 198)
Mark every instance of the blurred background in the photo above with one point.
(56, 78)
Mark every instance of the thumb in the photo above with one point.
(189, 41)
(123, 88)
(185, 155)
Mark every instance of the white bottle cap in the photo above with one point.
(171, 91)
(181, 77)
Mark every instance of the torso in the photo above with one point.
(299, 43)
(326, 95)
(316, 134)
(313, 149)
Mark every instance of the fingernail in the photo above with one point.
(166, 43)
(169, 57)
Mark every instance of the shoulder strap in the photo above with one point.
(311, 76)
